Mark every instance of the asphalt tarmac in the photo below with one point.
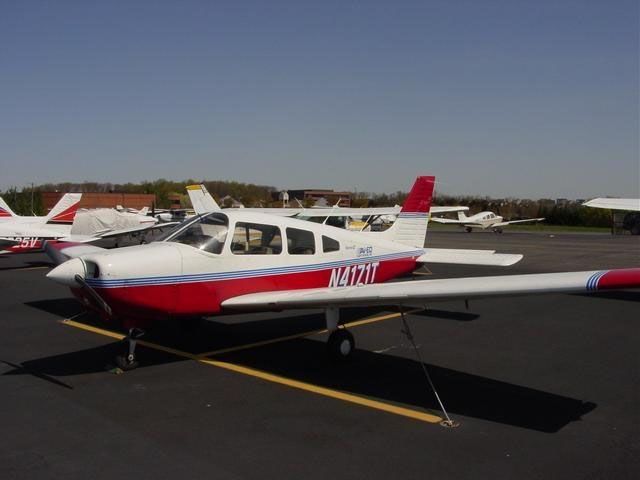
(541, 387)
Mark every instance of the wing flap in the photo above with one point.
(418, 292)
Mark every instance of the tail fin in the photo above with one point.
(462, 217)
(143, 211)
(201, 200)
(5, 210)
(65, 210)
(410, 228)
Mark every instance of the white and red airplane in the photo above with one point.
(19, 234)
(230, 261)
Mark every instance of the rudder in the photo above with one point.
(65, 210)
(410, 228)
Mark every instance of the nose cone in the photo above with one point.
(65, 273)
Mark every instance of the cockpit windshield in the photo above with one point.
(207, 233)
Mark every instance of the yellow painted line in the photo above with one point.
(269, 377)
(92, 329)
(271, 341)
(327, 392)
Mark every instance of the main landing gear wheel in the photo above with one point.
(126, 359)
(468, 229)
(341, 344)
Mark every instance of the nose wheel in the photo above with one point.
(126, 359)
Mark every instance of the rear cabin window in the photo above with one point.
(256, 239)
(329, 244)
(300, 242)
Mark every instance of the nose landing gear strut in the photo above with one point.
(126, 359)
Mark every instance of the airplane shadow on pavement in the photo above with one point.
(385, 377)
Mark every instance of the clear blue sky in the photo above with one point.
(499, 98)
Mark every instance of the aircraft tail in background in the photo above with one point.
(201, 199)
(65, 210)
(5, 210)
(462, 217)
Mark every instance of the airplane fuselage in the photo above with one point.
(189, 275)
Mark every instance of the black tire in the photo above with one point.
(341, 345)
(468, 229)
(123, 361)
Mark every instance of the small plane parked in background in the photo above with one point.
(68, 224)
(482, 220)
(631, 220)
(233, 260)
(23, 234)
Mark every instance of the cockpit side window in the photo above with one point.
(256, 239)
(300, 242)
(329, 244)
(207, 233)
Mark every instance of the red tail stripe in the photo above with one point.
(67, 215)
(419, 199)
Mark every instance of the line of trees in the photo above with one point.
(28, 202)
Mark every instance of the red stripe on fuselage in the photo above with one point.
(623, 278)
(204, 298)
(28, 245)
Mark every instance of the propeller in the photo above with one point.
(93, 294)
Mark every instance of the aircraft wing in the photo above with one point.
(503, 224)
(468, 257)
(632, 204)
(136, 229)
(104, 234)
(422, 291)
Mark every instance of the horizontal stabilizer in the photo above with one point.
(468, 257)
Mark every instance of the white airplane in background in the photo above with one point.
(233, 260)
(631, 220)
(482, 220)
(336, 216)
(66, 223)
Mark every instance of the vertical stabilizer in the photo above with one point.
(410, 228)
(5, 210)
(201, 200)
(65, 210)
